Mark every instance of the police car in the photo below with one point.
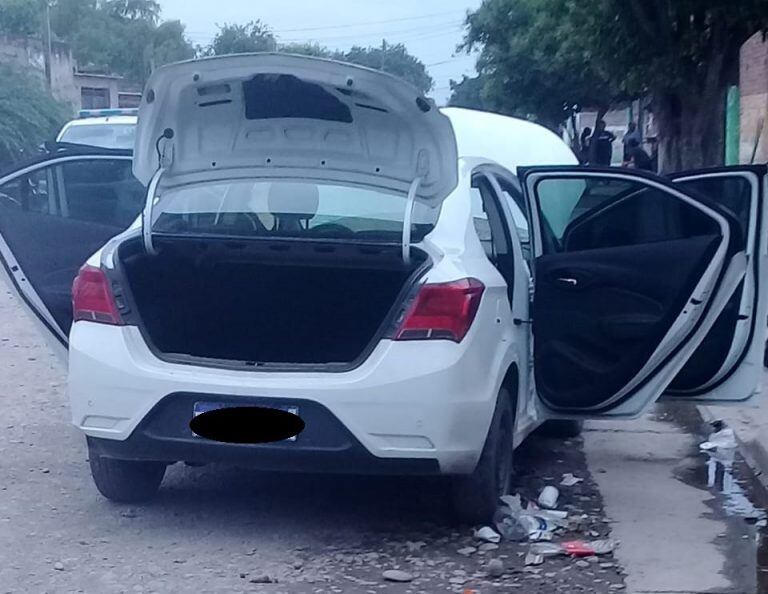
(103, 128)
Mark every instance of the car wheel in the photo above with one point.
(562, 429)
(126, 481)
(476, 496)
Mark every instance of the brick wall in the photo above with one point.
(754, 98)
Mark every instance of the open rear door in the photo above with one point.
(728, 365)
(630, 275)
(54, 214)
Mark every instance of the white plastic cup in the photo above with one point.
(548, 497)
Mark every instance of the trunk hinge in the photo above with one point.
(146, 215)
(408, 218)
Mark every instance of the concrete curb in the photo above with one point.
(754, 453)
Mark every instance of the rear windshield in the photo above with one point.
(118, 136)
(290, 209)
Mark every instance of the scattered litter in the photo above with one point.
(723, 438)
(569, 480)
(513, 502)
(263, 579)
(546, 549)
(397, 575)
(467, 551)
(533, 559)
(548, 497)
(495, 568)
(575, 548)
(580, 548)
(58, 566)
(487, 534)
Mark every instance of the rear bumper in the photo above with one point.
(325, 445)
(428, 402)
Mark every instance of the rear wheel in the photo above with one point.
(476, 496)
(126, 481)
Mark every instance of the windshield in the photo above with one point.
(289, 209)
(117, 136)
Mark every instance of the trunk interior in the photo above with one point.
(256, 303)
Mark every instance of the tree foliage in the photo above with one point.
(251, 37)
(539, 55)
(29, 115)
(257, 37)
(393, 59)
(19, 17)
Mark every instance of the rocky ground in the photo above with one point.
(218, 529)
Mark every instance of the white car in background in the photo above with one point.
(103, 128)
(419, 289)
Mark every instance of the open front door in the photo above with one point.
(630, 275)
(54, 214)
(728, 364)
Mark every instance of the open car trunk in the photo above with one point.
(246, 303)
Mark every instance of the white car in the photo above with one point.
(419, 289)
(103, 128)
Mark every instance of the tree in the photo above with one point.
(393, 59)
(144, 10)
(170, 44)
(251, 37)
(468, 92)
(307, 49)
(20, 17)
(537, 55)
(29, 115)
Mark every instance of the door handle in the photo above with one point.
(567, 281)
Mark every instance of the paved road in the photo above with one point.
(219, 529)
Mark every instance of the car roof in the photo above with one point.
(510, 142)
(119, 119)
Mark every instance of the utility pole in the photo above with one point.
(47, 42)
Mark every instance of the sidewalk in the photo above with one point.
(750, 422)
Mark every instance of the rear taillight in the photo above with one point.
(92, 297)
(442, 311)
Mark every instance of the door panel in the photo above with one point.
(727, 365)
(600, 314)
(630, 275)
(53, 216)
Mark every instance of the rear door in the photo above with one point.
(630, 274)
(728, 364)
(54, 214)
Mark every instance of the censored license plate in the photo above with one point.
(204, 407)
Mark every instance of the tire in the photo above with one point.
(476, 496)
(562, 429)
(126, 481)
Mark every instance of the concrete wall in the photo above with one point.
(27, 53)
(754, 99)
(98, 81)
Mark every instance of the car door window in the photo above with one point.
(580, 214)
(488, 219)
(53, 217)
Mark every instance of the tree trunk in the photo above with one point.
(692, 116)
(691, 130)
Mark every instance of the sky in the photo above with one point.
(430, 29)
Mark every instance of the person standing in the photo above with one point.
(584, 145)
(601, 146)
(632, 135)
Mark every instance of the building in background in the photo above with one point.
(753, 87)
(81, 90)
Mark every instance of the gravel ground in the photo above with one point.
(217, 529)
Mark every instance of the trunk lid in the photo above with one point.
(285, 116)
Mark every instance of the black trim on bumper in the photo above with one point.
(325, 445)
